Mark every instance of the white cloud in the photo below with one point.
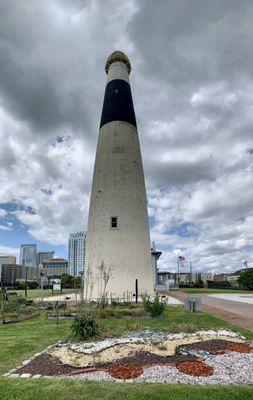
(9, 251)
(3, 213)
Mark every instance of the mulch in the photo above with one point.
(47, 366)
(195, 368)
(218, 346)
(145, 358)
(132, 366)
(126, 371)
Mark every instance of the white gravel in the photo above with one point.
(229, 369)
(144, 337)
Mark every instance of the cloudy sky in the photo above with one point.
(192, 85)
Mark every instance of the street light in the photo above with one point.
(81, 273)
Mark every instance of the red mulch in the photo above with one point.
(240, 347)
(126, 371)
(195, 368)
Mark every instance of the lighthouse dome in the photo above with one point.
(117, 56)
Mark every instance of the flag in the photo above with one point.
(181, 261)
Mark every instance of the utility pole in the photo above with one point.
(23, 263)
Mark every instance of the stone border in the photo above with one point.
(13, 373)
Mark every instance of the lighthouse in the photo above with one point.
(118, 227)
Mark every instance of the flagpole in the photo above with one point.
(178, 270)
(190, 273)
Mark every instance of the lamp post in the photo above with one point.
(81, 273)
(23, 263)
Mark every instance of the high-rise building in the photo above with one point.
(118, 227)
(28, 253)
(44, 256)
(76, 253)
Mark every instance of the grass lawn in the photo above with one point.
(174, 320)
(212, 291)
(19, 341)
(33, 293)
(60, 389)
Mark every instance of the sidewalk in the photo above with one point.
(240, 314)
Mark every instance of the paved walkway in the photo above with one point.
(241, 297)
(231, 311)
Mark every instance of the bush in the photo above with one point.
(120, 312)
(155, 307)
(84, 326)
(246, 279)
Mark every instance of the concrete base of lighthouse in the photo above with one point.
(118, 191)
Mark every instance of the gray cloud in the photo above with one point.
(192, 86)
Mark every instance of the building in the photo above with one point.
(220, 278)
(44, 256)
(204, 277)
(76, 253)
(155, 255)
(6, 260)
(166, 278)
(55, 267)
(233, 278)
(28, 254)
(13, 273)
(118, 228)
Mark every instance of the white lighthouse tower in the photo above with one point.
(118, 227)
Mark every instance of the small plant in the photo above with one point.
(84, 326)
(154, 307)
(162, 347)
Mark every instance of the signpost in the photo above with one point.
(56, 287)
(42, 274)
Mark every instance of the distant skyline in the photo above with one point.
(192, 86)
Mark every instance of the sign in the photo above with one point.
(56, 286)
(42, 273)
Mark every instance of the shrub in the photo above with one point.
(120, 312)
(246, 278)
(154, 307)
(84, 326)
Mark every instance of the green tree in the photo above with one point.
(67, 281)
(246, 279)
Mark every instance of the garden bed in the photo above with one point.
(20, 318)
(205, 357)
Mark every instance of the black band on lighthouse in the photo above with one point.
(118, 103)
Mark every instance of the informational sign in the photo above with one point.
(56, 287)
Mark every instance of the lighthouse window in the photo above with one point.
(114, 222)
